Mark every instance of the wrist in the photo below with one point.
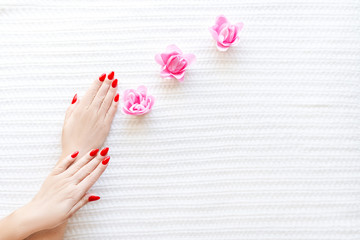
(27, 220)
(19, 224)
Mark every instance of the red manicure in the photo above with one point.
(116, 98)
(106, 160)
(74, 154)
(102, 77)
(104, 151)
(74, 99)
(93, 198)
(94, 152)
(111, 76)
(114, 83)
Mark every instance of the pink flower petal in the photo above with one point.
(159, 59)
(239, 26)
(137, 102)
(173, 48)
(179, 76)
(236, 41)
(232, 34)
(181, 79)
(221, 48)
(214, 34)
(142, 89)
(174, 62)
(165, 56)
(220, 20)
(164, 73)
(190, 58)
(224, 33)
(124, 110)
(151, 101)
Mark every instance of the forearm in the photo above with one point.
(18, 225)
(51, 234)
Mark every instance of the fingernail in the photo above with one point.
(102, 77)
(93, 198)
(114, 83)
(106, 160)
(74, 154)
(94, 152)
(104, 151)
(74, 99)
(116, 98)
(111, 76)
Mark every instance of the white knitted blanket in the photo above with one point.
(258, 143)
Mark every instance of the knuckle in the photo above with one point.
(99, 97)
(72, 181)
(69, 216)
(74, 194)
(101, 124)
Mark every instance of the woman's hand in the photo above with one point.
(65, 189)
(63, 193)
(86, 126)
(88, 120)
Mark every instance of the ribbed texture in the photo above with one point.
(259, 143)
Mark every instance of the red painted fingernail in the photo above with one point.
(114, 83)
(93, 198)
(74, 154)
(106, 160)
(74, 99)
(111, 76)
(102, 77)
(104, 151)
(94, 152)
(116, 98)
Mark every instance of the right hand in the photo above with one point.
(65, 190)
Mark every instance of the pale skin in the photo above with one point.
(86, 126)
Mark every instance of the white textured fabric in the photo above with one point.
(260, 142)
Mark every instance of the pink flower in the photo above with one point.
(174, 63)
(137, 102)
(224, 33)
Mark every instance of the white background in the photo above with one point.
(261, 142)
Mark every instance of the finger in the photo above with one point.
(92, 91)
(72, 106)
(101, 93)
(63, 164)
(112, 110)
(81, 162)
(84, 200)
(90, 166)
(87, 182)
(109, 97)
